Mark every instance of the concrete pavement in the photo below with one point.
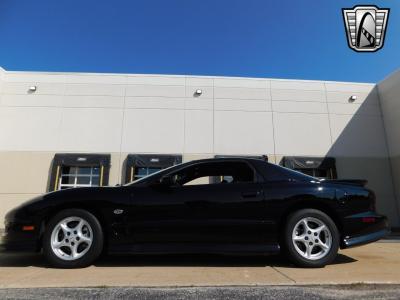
(351, 292)
(374, 263)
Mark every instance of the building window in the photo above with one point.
(142, 165)
(79, 177)
(320, 167)
(79, 170)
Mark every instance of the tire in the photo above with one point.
(73, 239)
(306, 242)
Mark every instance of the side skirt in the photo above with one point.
(191, 248)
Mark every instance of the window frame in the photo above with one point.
(257, 177)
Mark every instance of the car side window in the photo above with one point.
(214, 173)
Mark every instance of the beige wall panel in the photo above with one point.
(349, 87)
(389, 92)
(155, 80)
(241, 93)
(357, 136)
(190, 156)
(353, 108)
(26, 77)
(25, 172)
(116, 168)
(90, 129)
(42, 88)
(392, 124)
(32, 100)
(200, 81)
(93, 101)
(199, 103)
(343, 97)
(154, 102)
(297, 85)
(301, 134)
(297, 106)
(198, 131)
(242, 105)
(298, 95)
(207, 92)
(29, 128)
(275, 159)
(95, 78)
(237, 132)
(153, 130)
(156, 90)
(241, 82)
(94, 89)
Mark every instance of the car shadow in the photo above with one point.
(187, 260)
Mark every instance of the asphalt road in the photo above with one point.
(352, 292)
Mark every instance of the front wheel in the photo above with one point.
(73, 239)
(311, 238)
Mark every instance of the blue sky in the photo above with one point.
(302, 39)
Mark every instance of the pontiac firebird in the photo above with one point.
(228, 206)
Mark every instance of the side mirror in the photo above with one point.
(166, 181)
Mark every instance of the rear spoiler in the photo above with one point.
(359, 182)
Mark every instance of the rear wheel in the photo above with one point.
(73, 239)
(311, 238)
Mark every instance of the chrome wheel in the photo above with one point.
(71, 238)
(312, 238)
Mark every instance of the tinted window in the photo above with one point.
(215, 173)
(273, 172)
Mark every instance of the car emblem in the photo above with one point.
(118, 211)
(365, 27)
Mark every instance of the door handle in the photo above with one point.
(251, 194)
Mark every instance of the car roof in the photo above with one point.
(231, 158)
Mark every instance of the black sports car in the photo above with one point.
(231, 205)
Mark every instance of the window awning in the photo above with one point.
(306, 162)
(84, 159)
(153, 161)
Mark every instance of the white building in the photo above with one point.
(110, 120)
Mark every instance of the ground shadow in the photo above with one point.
(187, 260)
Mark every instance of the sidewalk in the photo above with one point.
(374, 263)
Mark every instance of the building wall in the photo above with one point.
(389, 93)
(121, 114)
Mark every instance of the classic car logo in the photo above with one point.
(118, 211)
(365, 27)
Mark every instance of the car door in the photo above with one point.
(206, 213)
(225, 213)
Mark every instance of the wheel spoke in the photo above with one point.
(64, 227)
(79, 226)
(74, 250)
(305, 225)
(309, 249)
(299, 238)
(323, 246)
(85, 239)
(60, 244)
(320, 229)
